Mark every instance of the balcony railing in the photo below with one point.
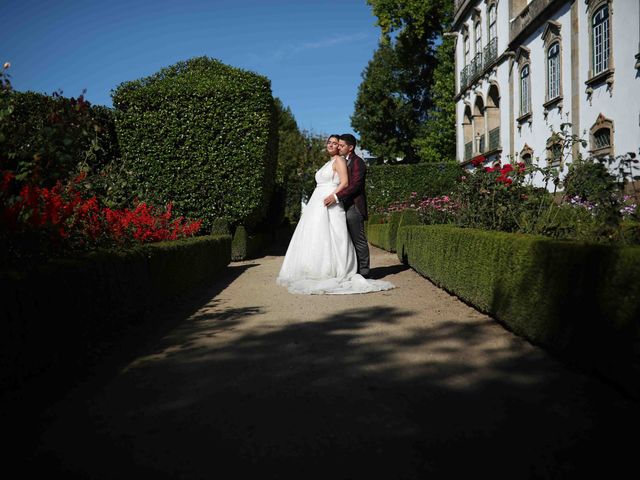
(490, 51)
(479, 64)
(468, 150)
(494, 139)
(476, 65)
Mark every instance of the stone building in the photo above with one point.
(524, 67)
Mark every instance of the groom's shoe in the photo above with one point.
(365, 273)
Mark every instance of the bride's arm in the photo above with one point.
(340, 165)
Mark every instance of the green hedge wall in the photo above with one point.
(382, 229)
(390, 183)
(581, 300)
(203, 135)
(55, 314)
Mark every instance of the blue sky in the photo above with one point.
(312, 51)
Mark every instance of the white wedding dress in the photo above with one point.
(321, 258)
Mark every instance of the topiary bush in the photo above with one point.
(203, 135)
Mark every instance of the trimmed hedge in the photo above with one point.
(56, 313)
(246, 245)
(390, 183)
(383, 235)
(580, 300)
(203, 135)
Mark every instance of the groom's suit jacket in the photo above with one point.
(355, 191)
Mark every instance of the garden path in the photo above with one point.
(399, 384)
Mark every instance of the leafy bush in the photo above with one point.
(51, 138)
(579, 299)
(387, 184)
(203, 135)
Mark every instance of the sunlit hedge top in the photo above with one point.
(202, 134)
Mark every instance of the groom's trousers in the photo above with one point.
(355, 225)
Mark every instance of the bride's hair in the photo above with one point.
(335, 135)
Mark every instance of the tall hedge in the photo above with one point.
(203, 135)
(390, 183)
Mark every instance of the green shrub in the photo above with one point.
(247, 245)
(578, 299)
(56, 314)
(203, 135)
(51, 138)
(378, 234)
(387, 184)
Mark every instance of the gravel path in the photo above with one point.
(252, 381)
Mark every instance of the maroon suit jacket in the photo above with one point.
(355, 191)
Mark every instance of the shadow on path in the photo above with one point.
(348, 396)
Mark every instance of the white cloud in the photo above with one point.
(288, 51)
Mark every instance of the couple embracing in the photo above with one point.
(328, 252)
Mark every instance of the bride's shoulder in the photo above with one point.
(338, 159)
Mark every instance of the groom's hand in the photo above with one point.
(330, 200)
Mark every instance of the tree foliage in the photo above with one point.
(291, 154)
(436, 140)
(396, 95)
(383, 115)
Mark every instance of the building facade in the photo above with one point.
(526, 67)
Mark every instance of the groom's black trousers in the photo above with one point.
(355, 225)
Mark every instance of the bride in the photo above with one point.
(321, 258)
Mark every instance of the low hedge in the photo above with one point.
(580, 300)
(382, 229)
(55, 314)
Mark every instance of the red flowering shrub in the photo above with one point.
(69, 221)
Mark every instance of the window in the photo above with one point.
(526, 155)
(466, 50)
(478, 37)
(601, 134)
(553, 71)
(525, 97)
(492, 22)
(600, 40)
(602, 138)
(554, 151)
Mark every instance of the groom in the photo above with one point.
(354, 200)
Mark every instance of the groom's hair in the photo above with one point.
(348, 139)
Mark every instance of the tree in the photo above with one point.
(383, 115)
(395, 97)
(437, 139)
(291, 155)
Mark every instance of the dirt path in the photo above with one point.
(409, 383)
